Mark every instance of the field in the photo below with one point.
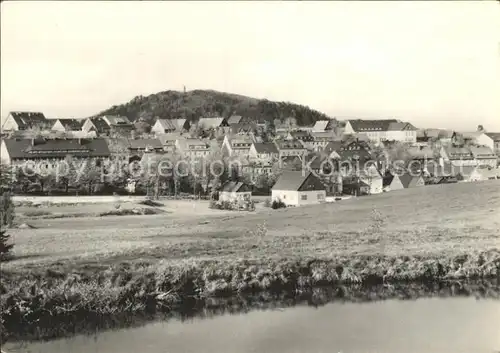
(70, 269)
(434, 220)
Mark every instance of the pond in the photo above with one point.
(440, 325)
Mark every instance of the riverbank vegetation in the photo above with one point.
(109, 268)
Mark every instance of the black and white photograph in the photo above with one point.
(250, 177)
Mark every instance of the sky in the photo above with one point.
(435, 64)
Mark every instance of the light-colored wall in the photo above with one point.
(58, 126)
(9, 124)
(348, 130)
(157, 128)
(485, 140)
(490, 162)
(396, 184)
(294, 198)
(88, 125)
(4, 154)
(376, 184)
(233, 196)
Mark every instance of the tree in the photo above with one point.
(142, 126)
(5, 247)
(89, 175)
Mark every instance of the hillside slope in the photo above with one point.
(203, 103)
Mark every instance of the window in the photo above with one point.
(321, 196)
(303, 197)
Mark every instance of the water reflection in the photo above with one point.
(440, 325)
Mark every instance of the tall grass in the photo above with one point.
(32, 299)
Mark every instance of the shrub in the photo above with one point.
(213, 205)
(278, 204)
(36, 213)
(267, 203)
(6, 210)
(5, 248)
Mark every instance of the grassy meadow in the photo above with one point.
(78, 267)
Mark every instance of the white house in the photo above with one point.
(163, 126)
(484, 156)
(238, 145)
(290, 148)
(193, 148)
(297, 188)
(495, 136)
(264, 152)
(233, 191)
(392, 182)
(479, 138)
(25, 120)
(457, 156)
(68, 125)
(383, 130)
(370, 175)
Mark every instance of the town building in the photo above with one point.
(484, 156)
(457, 156)
(495, 136)
(163, 126)
(383, 130)
(192, 148)
(391, 182)
(296, 188)
(26, 120)
(233, 191)
(290, 148)
(67, 125)
(48, 152)
(238, 145)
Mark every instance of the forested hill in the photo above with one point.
(205, 103)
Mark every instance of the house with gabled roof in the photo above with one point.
(212, 123)
(49, 152)
(495, 136)
(234, 119)
(235, 191)
(457, 156)
(383, 130)
(26, 120)
(164, 126)
(68, 125)
(410, 180)
(320, 140)
(193, 148)
(391, 182)
(290, 148)
(168, 140)
(484, 156)
(97, 124)
(297, 188)
(324, 125)
(237, 145)
(263, 152)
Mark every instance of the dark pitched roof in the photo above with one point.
(234, 186)
(360, 125)
(234, 119)
(298, 181)
(56, 148)
(100, 125)
(145, 143)
(409, 180)
(265, 147)
(333, 146)
(26, 120)
(286, 144)
(72, 124)
(494, 135)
